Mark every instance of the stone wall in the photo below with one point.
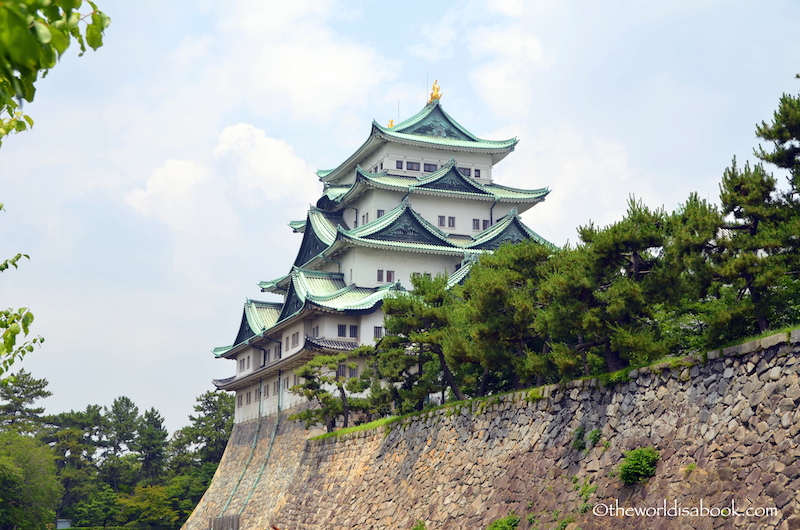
(726, 427)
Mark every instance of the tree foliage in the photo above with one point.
(33, 36)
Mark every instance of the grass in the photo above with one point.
(535, 394)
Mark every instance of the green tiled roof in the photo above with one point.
(502, 229)
(298, 226)
(274, 286)
(261, 315)
(463, 271)
(433, 125)
(440, 182)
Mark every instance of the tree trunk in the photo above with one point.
(448, 377)
(345, 406)
(484, 382)
(613, 360)
(758, 308)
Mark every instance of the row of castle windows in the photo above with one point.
(247, 397)
(427, 168)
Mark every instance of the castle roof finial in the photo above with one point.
(435, 93)
(391, 124)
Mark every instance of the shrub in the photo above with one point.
(594, 437)
(578, 443)
(638, 465)
(509, 522)
(420, 525)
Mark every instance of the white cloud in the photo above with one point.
(439, 37)
(267, 165)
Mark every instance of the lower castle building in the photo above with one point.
(417, 197)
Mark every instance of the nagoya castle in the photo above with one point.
(418, 197)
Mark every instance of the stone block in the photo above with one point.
(713, 354)
(773, 340)
(794, 336)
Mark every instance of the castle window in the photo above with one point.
(466, 171)
(451, 222)
(476, 224)
(381, 213)
(286, 383)
(354, 332)
(277, 351)
(390, 276)
(398, 164)
(266, 357)
(287, 343)
(266, 391)
(249, 397)
(477, 173)
(485, 224)
(441, 220)
(295, 339)
(377, 332)
(380, 275)
(342, 331)
(412, 166)
(239, 400)
(353, 372)
(341, 370)
(275, 387)
(248, 362)
(429, 168)
(381, 166)
(241, 365)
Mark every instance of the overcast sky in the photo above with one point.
(153, 193)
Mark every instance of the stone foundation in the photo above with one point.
(727, 429)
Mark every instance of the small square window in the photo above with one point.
(390, 276)
(476, 224)
(451, 222)
(377, 332)
(381, 213)
(380, 275)
(412, 166)
(441, 220)
(354, 332)
(485, 224)
(465, 171)
(429, 168)
(477, 173)
(342, 330)
(398, 164)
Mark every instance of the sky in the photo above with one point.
(154, 191)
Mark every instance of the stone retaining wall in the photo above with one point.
(727, 429)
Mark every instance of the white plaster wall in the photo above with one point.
(365, 262)
(389, 153)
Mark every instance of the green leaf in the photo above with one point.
(94, 36)
(42, 31)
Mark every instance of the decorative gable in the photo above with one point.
(436, 124)
(292, 305)
(245, 331)
(452, 180)
(408, 229)
(310, 247)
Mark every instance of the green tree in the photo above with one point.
(33, 36)
(784, 134)
(29, 490)
(500, 303)
(752, 246)
(14, 322)
(122, 420)
(149, 506)
(324, 372)
(211, 427)
(601, 296)
(18, 393)
(151, 444)
(417, 325)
